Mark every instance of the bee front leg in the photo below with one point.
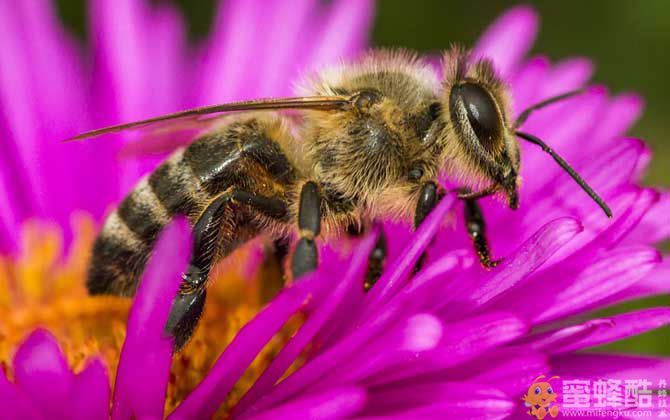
(305, 256)
(476, 227)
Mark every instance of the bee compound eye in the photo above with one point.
(482, 113)
(538, 391)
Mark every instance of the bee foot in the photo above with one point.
(184, 315)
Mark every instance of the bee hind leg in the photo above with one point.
(188, 306)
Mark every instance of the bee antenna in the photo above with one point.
(526, 113)
(567, 168)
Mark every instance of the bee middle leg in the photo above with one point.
(305, 255)
(188, 305)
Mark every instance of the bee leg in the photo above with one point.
(376, 262)
(305, 256)
(429, 197)
(273, 268)
(184, 316)
(188, 305)
(376, 259)
(476, 227)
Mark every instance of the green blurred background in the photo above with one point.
(628, 41)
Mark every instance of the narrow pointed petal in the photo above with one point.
(602, 365)
(505, 368)
(329, 359)
(397, 273)
(443, 400)
(622, 112)
(601, 331)
(337, 403)
(345, 32)
(90, 393)
(509, 38)
(527, 259)
(42, 372)
(655, 224)
(146, 356)
(526, 83)
(14, 404)
(601, 279)
(229, 367)
(654, 283)
(312, 326)
(458, 343)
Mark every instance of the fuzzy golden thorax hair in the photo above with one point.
(407, 128)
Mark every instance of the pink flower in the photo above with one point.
(453, 340)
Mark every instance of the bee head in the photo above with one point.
(477, 137)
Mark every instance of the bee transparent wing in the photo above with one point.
(204, 117)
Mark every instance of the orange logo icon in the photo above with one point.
(541, 399)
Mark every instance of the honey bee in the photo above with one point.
(367, 142)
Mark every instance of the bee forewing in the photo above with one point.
(204, 117)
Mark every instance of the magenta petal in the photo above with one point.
(398, 271)
(400, 344)
(509, 38)
(331, 358)
(14, 403)
(527, 258)
(232, 363)
(335, 403)
(441, 400)
(622, 112)
(316, 320)
(146, 356)
(509, 369)
(458, 343)
(42, 373)
(567, 75)
(90, 392)
(526, 82)
(600, 331)
(288, 24)
(602, 365)
(655, 224)
(345, 32)
(654, 283)
(617, 271)
(227, 55)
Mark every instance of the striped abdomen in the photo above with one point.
(244, 155)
